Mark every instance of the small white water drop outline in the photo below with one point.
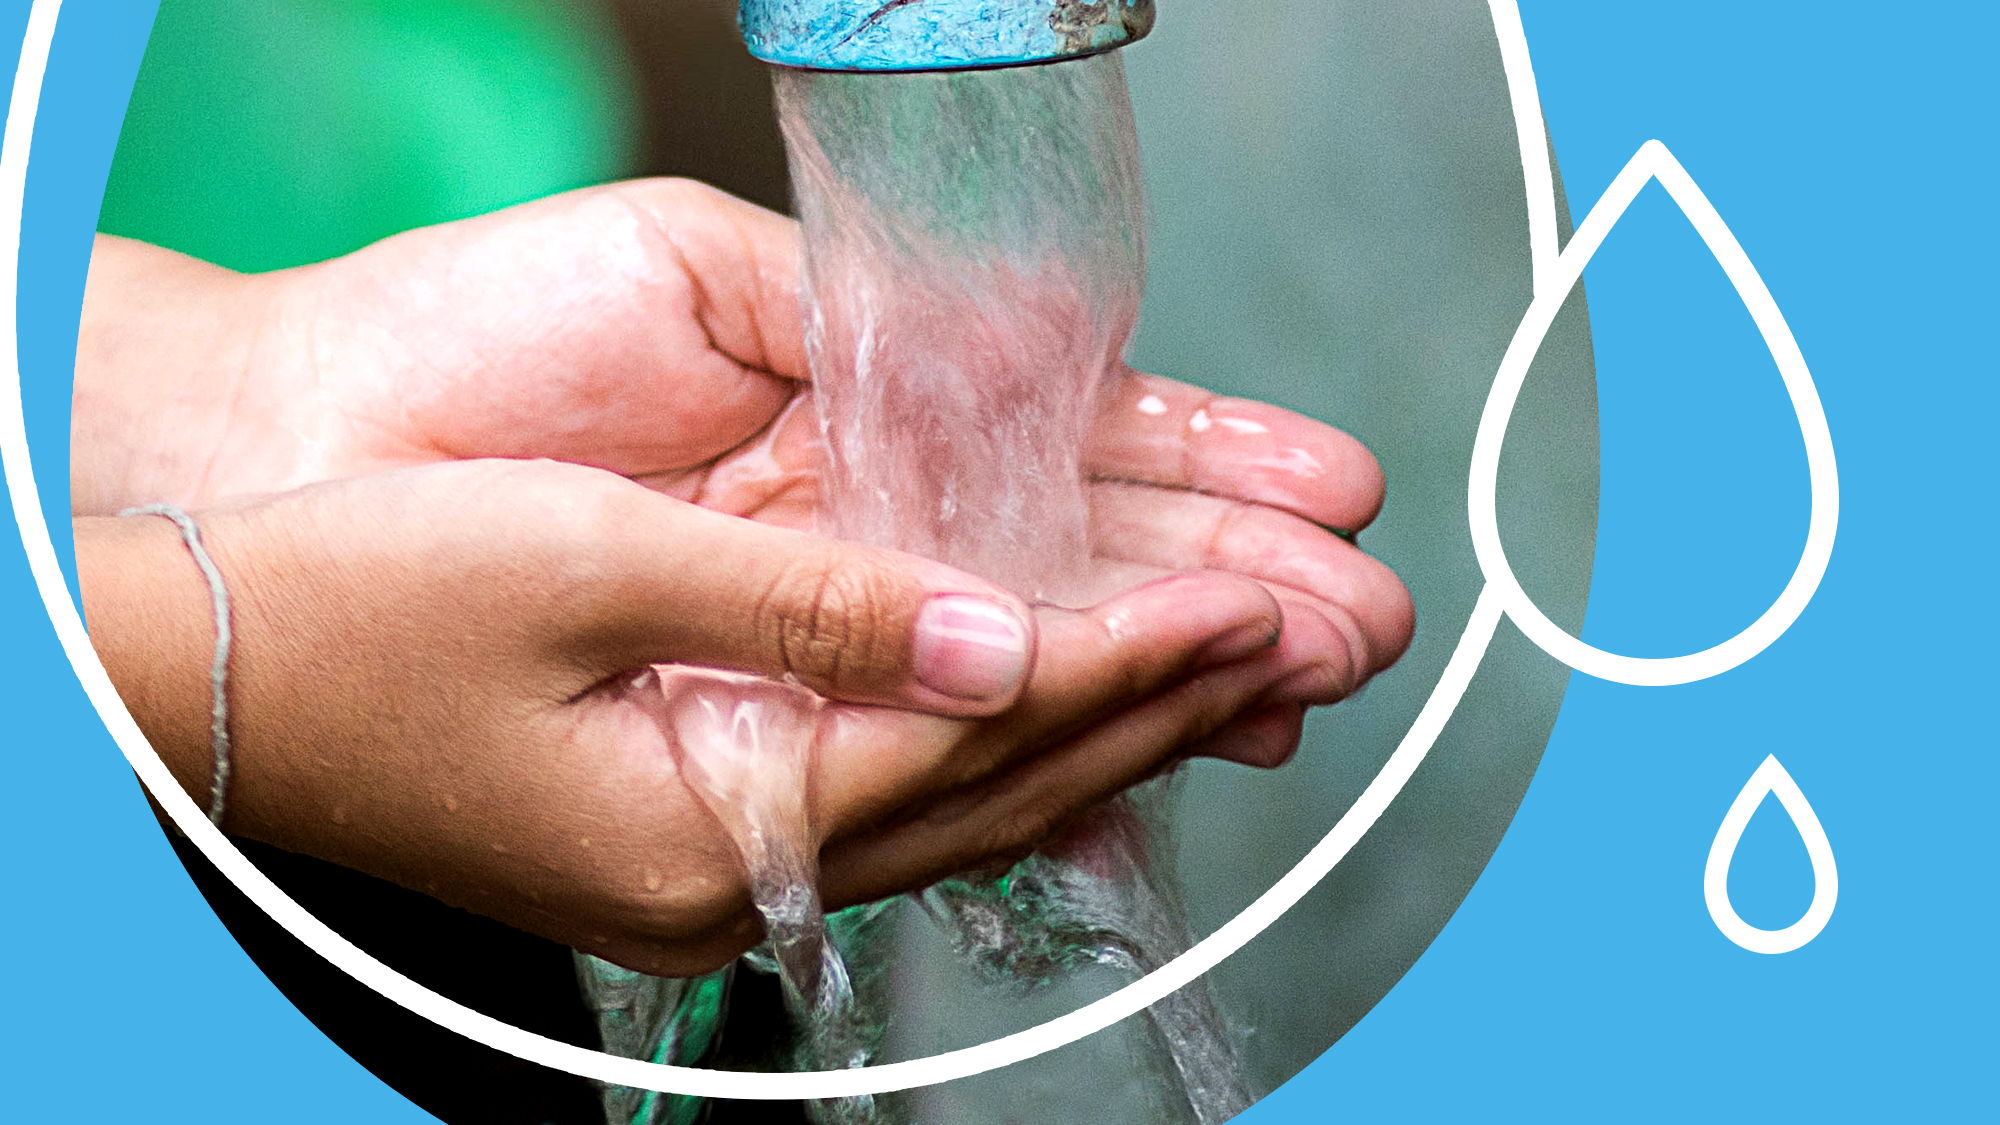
(1501, 596)
(1770, 780)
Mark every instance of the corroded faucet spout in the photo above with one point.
(936, 34)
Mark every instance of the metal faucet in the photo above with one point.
(936, 34)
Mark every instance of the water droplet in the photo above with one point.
(1118, 623)
(1152, 406)
(1770, 779)
(340, 816)
(654, 881)
(450, 803)
(1199, 422)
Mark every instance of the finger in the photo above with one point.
(745, 261)
(1011, 814)
(674, 583)
(1160, 432)
(1179, 530)
(1265, 738)
(1090, 666)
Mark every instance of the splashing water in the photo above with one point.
(658, 1019)
(975, 260)
(746, 745)
(1104, 895)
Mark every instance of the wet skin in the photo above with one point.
(645, 340)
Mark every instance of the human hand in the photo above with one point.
(652, 329)
(429, 684)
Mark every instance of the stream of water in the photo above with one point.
(974, 260)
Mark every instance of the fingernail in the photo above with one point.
(970, 648)
(1240, 642)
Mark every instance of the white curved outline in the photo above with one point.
(1127, 1001)
(1770, 778)
(1538, 177)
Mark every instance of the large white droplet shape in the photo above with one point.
(1770, 780)
(1553, 283)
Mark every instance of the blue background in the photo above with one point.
(1582, 978)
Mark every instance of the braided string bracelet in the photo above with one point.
(218, 672)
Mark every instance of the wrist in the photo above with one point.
(170, 395)
(151, 618)
(157, 621)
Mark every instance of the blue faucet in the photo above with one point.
(936, 34)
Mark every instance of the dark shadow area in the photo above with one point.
(480, 963)
(706, 110)
(489, 967)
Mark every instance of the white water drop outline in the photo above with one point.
(1553, 284)
(1501, 595)
(1770, 780)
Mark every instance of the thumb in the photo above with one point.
(854, 623)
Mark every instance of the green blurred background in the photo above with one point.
(1337, 225)
(269, 133)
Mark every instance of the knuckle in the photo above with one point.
(825, 624)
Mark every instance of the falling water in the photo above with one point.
(746, 745)
(974, 260)
(659, 1019)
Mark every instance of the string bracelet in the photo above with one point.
(218, 672)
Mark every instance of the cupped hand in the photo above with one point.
(652, 329)
(431, 684)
